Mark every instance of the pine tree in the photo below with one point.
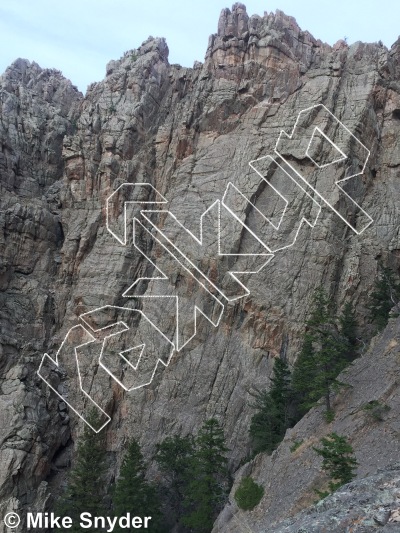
(271, 419)
(384, 297)
(174, 456)
(281, 390)
(132, 492)
(266, 424)
(338, 460)
(304, 373)
(348, 330)
(86, 487)
(322, 357)
(207, 490)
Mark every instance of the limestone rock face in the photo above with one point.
(189, 133)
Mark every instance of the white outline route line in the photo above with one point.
(196, 308)
(338, 182)
(133, 185)
(199, 241)
(302, 220)
(55, 362)
(342, 158)
(189, 265)
(127, 328)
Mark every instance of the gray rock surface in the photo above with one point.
(188, 132)
(363, 506)
(292, 473)
(366, 505)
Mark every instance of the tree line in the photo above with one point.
(329, 345)
(192, 489)
(194, 479)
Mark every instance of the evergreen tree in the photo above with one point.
(322, 357)
(174, 456)
(304, 372)
(207, 490)
(384, 297)
(86, 487)
(132, 493)
(266, 424)
(271, 419)
(348, 330)
(248, 494)
(338, 460)
(281, 391)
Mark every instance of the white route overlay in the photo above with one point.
(128, 355)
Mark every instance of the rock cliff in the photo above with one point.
(367, 412)
(189, 132)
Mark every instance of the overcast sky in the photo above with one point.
(79, 37)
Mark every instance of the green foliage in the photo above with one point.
(385, 295)
(208, 487)
(174, 456)
(272, 418)
(322, 358)
(133, 492)
(329, 416)
(322, 494)
(303, 375)
(265, 427)
(376, 410)
(329, 344)
(248, 494)
(296, 445)
(86, 486)
(348, 330)
(338, 460)
(280, 391)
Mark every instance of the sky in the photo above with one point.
(79, 37)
